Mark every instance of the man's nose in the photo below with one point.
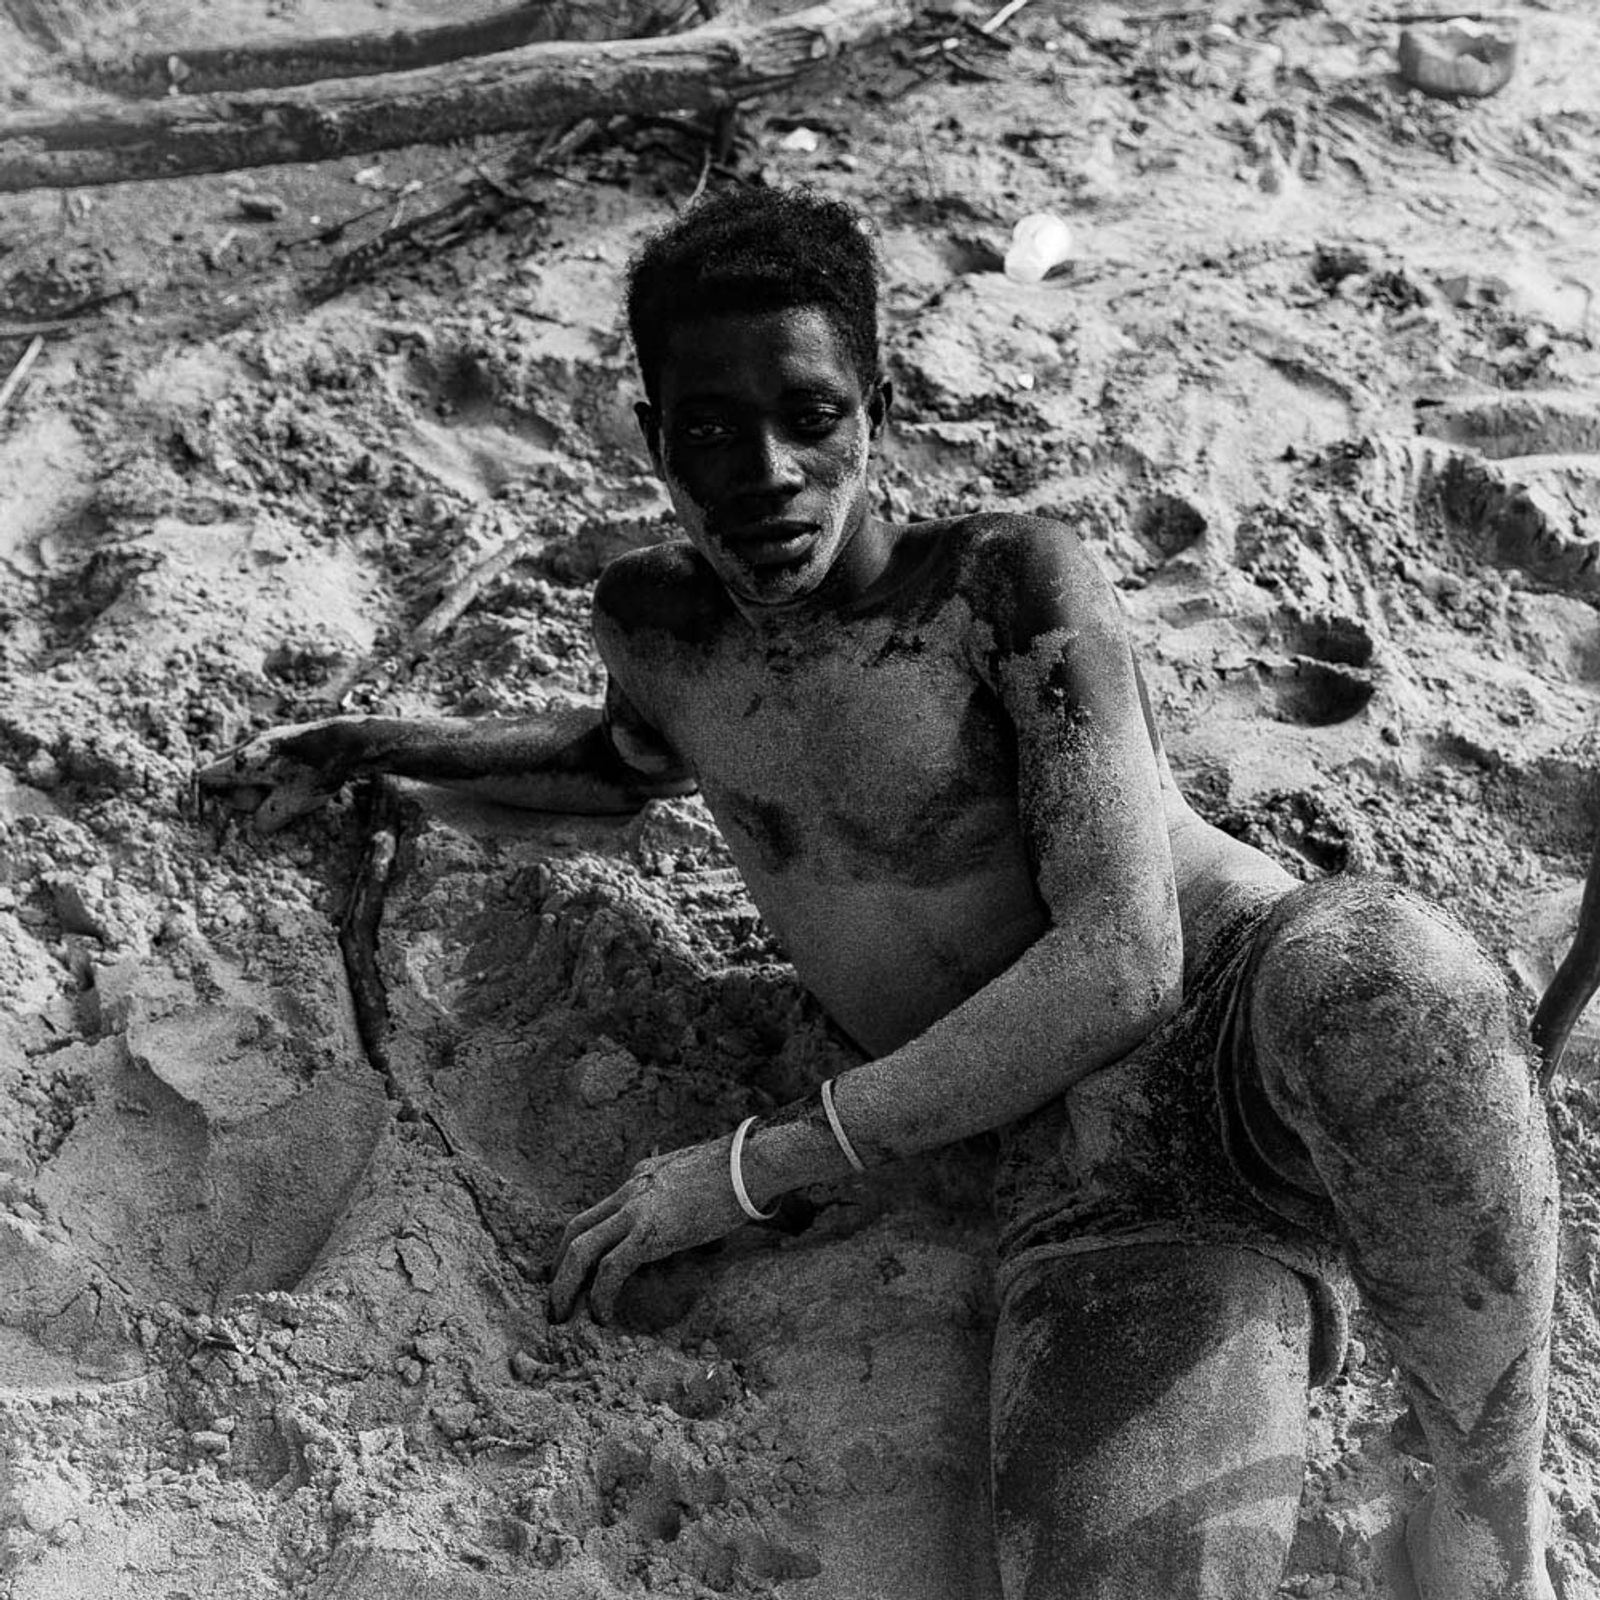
(772, 464)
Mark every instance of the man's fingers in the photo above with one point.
(585, 1220)
(261, 778)
(257, 762)
(578, 1256)
(612, 1273)
(310, 750)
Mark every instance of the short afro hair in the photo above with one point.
(749, 250)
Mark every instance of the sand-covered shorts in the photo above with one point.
(1176, 1143)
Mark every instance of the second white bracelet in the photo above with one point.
(838, 1129)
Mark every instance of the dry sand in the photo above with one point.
(1320, 387)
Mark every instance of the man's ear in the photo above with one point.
(879, 406)
(650, 426)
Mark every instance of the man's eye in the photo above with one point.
(816, 419)
(705, 431)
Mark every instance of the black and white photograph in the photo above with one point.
(799, 801)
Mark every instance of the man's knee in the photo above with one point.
(1369, 1002)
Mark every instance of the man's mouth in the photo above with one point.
(773, 544)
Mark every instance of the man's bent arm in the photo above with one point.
(1013, 1046)
(1107, 971)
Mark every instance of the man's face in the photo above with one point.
(763, 437)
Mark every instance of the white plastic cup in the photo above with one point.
(1039, 242)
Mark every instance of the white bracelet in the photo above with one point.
(740, 1193)
(838, 1131)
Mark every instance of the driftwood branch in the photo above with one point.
(274, 63)
(539, 86)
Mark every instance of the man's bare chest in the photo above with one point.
(884, 757)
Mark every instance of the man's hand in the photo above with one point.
(285, 772)
(671, 1203)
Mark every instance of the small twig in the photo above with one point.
(1171, 14)
(964, 71)
(19, 373)
(26, 330)
(915, 78)
(922, 150)
(429, 233)
(1002, 16)
(478, 577)
(353, 1374)
(330, 233)
(495, 182)
(1407, 19)
(214, 253)
(988, 40)
(564, 142)
(705, 174)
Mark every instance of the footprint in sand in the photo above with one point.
(671, 1503)
(1167, 525)
(469, 434)
(1326, 674)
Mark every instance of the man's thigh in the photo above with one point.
(1149, 1424)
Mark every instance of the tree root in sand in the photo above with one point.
(378, 809)
(539, 86)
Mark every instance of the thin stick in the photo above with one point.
(19, 373)
(26, 330)
(1587, 291)
(705, 173)
(525, 541)
(1002, 16)
(1171, 14)
(1406, 19)
(922, 148)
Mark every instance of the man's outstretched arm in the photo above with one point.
(579, 759)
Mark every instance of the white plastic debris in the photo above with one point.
(1040, 242)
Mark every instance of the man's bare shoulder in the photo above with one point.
(661, 589)
(1025, 576)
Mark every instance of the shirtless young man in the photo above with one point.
(930, 753)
